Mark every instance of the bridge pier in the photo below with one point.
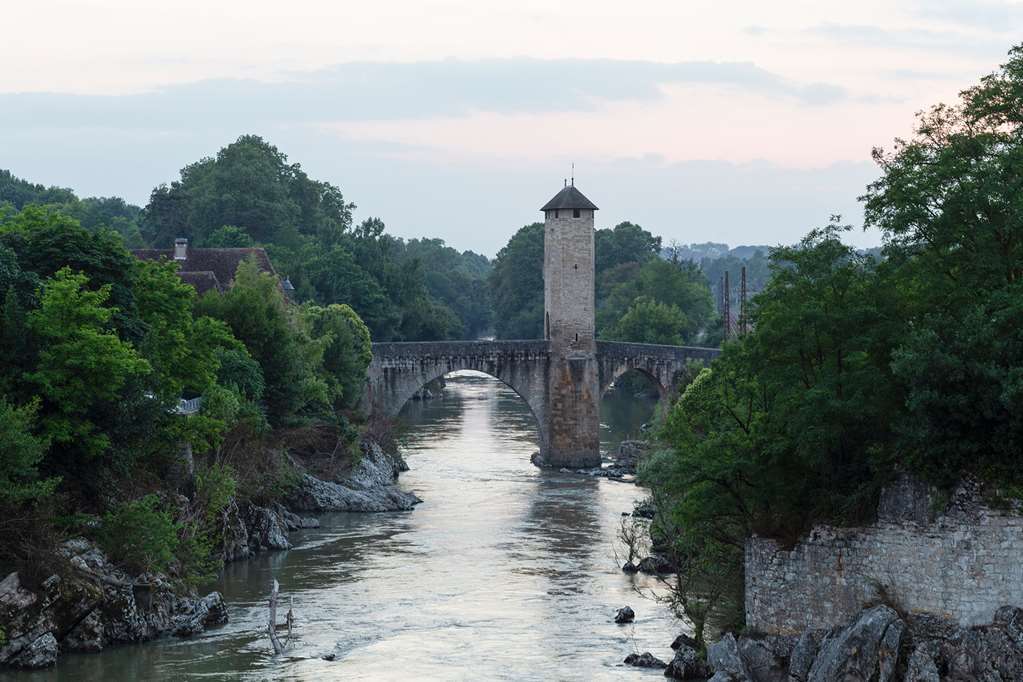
(573, 399)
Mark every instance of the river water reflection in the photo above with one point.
(504, 572)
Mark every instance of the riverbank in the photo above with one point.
(504, 572)
(85, 603)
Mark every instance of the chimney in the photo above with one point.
(180, 249)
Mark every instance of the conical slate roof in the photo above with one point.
(568, 198)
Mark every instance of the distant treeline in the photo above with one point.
(413, 290)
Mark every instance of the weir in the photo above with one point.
(560, 377)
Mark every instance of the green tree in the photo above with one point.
(23, 452)
(141, 534)
(625, 243)
(680, 285)
(259, 316)
(46, 240)
(516, 285)
(647, 321)
(950, 204)
(228, 236)
(251, 185)
(83, 365)
(347, 351)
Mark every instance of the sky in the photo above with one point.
(744, 122)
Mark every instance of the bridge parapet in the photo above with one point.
(401, 353)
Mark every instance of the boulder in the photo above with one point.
(866, 650)
(293, 521)
(235, 542)
(267, 530)
(766, 659)
(86, 636)
(687, 663)
(314, 494)
(803, 654)
(645, 660)
(200, 615)
(982, 654)
(684, 640)
(629, 567)
(723, 657)
(921, 666)
(655, 565)
(1010, 618)
(39, 653)
(625, 615)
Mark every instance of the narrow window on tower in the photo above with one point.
(575, 212)
(555, 214)
(577, 337)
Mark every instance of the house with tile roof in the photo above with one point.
(208, 269)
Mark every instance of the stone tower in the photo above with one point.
(573, 391)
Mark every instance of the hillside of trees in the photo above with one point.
(861, 367)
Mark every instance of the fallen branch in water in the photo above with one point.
(279, 648)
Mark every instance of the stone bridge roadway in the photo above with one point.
(398, 370)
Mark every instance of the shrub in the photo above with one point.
(141, 535)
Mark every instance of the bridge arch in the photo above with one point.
(398, 370)
(620, 370)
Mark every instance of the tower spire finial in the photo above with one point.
(573, 174)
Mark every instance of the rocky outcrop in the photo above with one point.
(879, 645)
(687, 663)
(625, 615)
(234, 534)
(868, 649)
(368, 488)
(247, 529)
(267, 529)
(88, 604)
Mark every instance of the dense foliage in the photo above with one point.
(639, 296)
(859, 368)
(98, 349)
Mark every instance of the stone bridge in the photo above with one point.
(399, 370)
(562, 377)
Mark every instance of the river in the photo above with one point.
(504, 572)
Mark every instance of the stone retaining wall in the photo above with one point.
(964, 565)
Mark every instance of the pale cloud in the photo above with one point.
(395, 91)
(905, 38)
(739, 121)
(992, 15)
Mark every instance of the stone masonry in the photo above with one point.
(963, 565)
(562, 376)
(573, 389)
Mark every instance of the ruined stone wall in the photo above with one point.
(964, 565)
